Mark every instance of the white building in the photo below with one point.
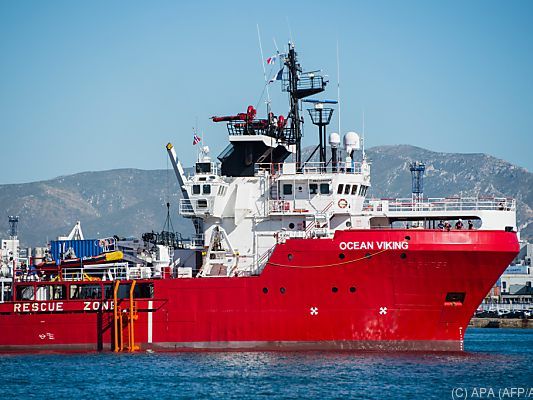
(518, 277)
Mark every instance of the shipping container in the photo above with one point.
(82, 248)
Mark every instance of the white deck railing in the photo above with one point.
(441, 204)
(310, 168)
(193, 206)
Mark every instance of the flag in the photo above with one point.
(195, 140)
(278, 76)
(271, 60)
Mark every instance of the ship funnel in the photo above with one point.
(334, 142)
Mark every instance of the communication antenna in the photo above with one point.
(264, 69)
(275, 45)
(290, 31)
(363, 144)
(339, 89)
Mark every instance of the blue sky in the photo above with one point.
(97, 85)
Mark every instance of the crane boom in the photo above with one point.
(178, 169)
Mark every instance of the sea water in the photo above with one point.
(497, 362)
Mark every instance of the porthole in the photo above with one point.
(408, 237)
(341, 256)
(289, 256)
(265, 290)
(291, 225)
(403, 255)
(352, 289)
(334, 289)
(348, 224)
(282, 290)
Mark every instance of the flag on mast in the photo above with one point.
(196, 139)
(278, 76)
(271, 60)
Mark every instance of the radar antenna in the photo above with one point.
(320, 116)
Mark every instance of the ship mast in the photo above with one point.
(299, 85)
(296, 129)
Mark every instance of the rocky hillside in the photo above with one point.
(122, 202)
(130, 202)
(451, 175)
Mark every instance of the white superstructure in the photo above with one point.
(243, 217)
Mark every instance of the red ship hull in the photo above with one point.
(363, 289)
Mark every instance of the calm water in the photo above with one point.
(494, 358)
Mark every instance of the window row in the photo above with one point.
(82, 291)
(206, 189)
(313, 188)
(351, 190)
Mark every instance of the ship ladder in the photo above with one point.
(124, 318)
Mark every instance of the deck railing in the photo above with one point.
(309, 168)
(442, 204)
(193, 206)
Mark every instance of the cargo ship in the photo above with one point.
(287, 254)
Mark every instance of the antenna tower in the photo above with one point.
(299, 85)
(417, 179)
(13, 226)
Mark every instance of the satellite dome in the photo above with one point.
(352, 142)
(334, 139)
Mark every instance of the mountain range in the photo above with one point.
(129, 202)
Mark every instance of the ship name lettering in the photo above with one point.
(374, 245)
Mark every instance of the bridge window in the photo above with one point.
(195, 189)
(354, 190)
(203, 167)
(287, 189)
(207, 189)
(347, 189)
(324, 188)
(340, 188)
(313, 188)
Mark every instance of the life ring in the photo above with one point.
(342, 203)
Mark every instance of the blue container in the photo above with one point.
(82, 248)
